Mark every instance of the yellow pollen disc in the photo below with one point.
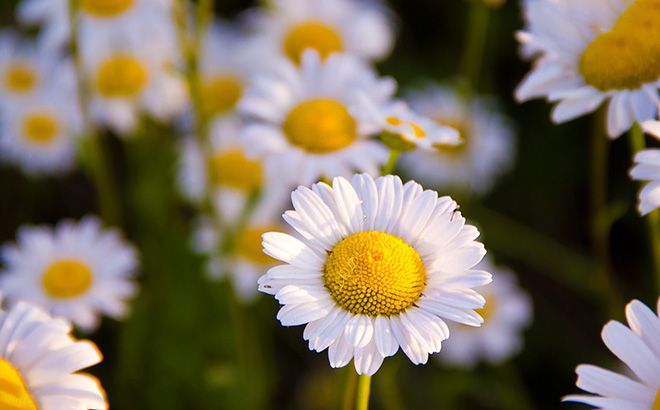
(374, 273)
(320, 126)
(487, 311)
(627, 56)
(20, 78)
(106, 8)
(14, 394)
(311, 34)
(656, 402)
(233, 169)
(67, 278)
(40, 128)
(221, 93)
(121, 75)
(463, 128)
(248, 245)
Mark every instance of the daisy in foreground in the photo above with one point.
(39, 361)
(378, 265)
(638, 346)
(76, 271)
(591, 52)
(647, 168)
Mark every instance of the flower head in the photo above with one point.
(647, 168)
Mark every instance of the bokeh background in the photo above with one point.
(179, 348)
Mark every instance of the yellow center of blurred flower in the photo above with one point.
(106, 8)
(487, 311)
(231, 168)
(463, 128)
(14, 394)
(656, 402)
(627, 56)
(396, 122)
(311, 34)
(248, 245)
(319, 126)
(20, 78)
(121, 75)
(221, 93)
(40, 128)
(67, 278)
(374, 273)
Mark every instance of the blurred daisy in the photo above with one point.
(402, 128)
(289, 27)
(305, 117)
(38, 134)
(379, 265)
(486, 150)
(638, 347)
(592, 52)
(39, 364)
(77, 271)
(647, 168)
(127, 78)
(506, 313)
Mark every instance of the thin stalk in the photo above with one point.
(389, 166)
(638, 144)
(93, 156)
(477, 30)
(363, 390)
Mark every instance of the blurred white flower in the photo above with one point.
(590, 52)
(304, 117)
(77, 271)
(377, 265)
(289, 27)
(638, 347)
(506, 313)
(487, 147)
(39, 363)
(647, 168)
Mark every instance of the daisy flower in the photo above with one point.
(487, 147)
(506, 313)
(76, 271)
(647, 168)
(289, 27)
(377, 265)
(590, 52)
(402, 128)
(38, 134)
(39, 364)
(638, 347)
(305, 119)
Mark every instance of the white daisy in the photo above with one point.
(647, 168)
(289, 27)
(77, 271)
(38, 134)
(590, 52)
(378, 265)
(637, 346)
(39, 364)
(506, 313)
(487, 147)
(305, 118)
(402, 128)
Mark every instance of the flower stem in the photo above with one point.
(362, 397)
(638, 144)
(477, 29)
(349, 390)
(389, 166)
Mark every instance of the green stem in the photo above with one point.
(349, 390)
(363, 390)
(638, 144)
(477, 30)
(94, 157)
(389, 166)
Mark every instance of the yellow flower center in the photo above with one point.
(221, 93)
(248, 245)
(656, 402)
(14, 394)
(121, 75)
(627, 56)
(396, 122)
(106, 8)
(487, 311)
(311, 34)
(40, 128)
(374, 273)
(319, 126)
(20, 78)
(67, 278)
(233, 169)
(463, 128)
